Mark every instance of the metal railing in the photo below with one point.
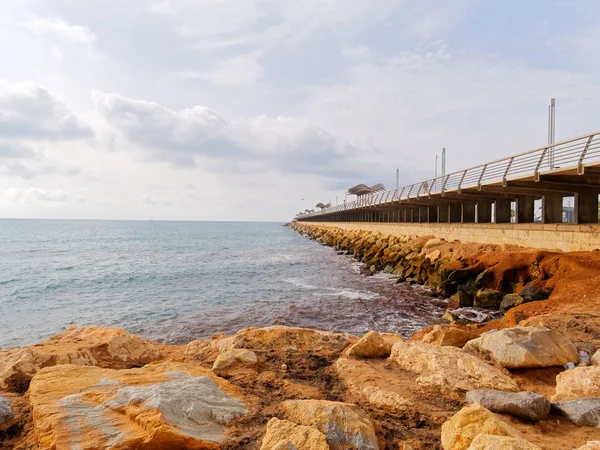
(572, 153)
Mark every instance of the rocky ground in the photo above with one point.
(500, 385)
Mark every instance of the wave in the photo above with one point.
(355, 295)
(66, 268)
(13, 280)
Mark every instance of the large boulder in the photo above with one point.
(460, 430)
(525, 347)
(524, 405)
(583, 412)
(510, 301)
(488, 298)
(580, 382)
(235, 356)
(493, 442)
(6, 414)
(342, 423)
(371, 345)
(446, 335)
(449, 369)
(167, 405)
(282, 339)
(85, 346)
(285, 435)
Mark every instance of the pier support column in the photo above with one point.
(502, 211)
(552, 207)
(443, 213)
(484, 211)
(468, 213)
(455, 213)
(586, 205)
(525, 209)
(433, 214)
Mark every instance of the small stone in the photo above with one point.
(435, 242)
(524, 405)
(533, 292)
(510, 301)
(371, 345)
(233, 356)
(462, 299)
(449, 316)
(583, 412)
(285, 435)
(595, 360)
(343, 424)
(284, 367)
(6, 413)
(448, 335)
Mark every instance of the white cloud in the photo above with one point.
(19, 195)
(57, 27)
(236, 72)
(30, 111)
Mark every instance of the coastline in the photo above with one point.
(292, 388)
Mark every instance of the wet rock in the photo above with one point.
(449, 369)
(6, 413)
(526, 347)
(86, 346)
(460, 431)
(342, 423)
(581, 382)
(447, 335)
(488, 298)
(462, 299)
(371, 345)
(280, 338)
(533, 292)
(235, 356)
(450, 317)
(583, 412)
(168, 405)
(492, 442)
(524, 405)
(285, 435)
(509, 301)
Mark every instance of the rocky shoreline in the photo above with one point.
(529, 380)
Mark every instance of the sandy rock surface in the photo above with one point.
(283, 435)
(581, 382)
(526, 347)
(235, 356)
(459, 432)
(166, 405)
(342, 423)
(492, 442)
(85, 346)
(449, 369)
(446, 335)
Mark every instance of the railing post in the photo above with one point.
(481, 177)
(506, 171)
(536, 172)
(444, 185)
(580, 168)
(459, 189)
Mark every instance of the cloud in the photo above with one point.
(15, 150)
(283, 143)
(22, 195)
(238, 71)
(55, 26)
(30, 111)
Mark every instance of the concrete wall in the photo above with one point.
(566, 237)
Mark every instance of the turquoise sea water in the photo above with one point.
(175, 281)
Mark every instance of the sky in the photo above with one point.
(253, 110)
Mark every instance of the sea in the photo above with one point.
(177, 281)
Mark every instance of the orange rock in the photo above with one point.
(166, 405)
(85, 346)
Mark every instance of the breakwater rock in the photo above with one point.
(291, 388)
(479, 275)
